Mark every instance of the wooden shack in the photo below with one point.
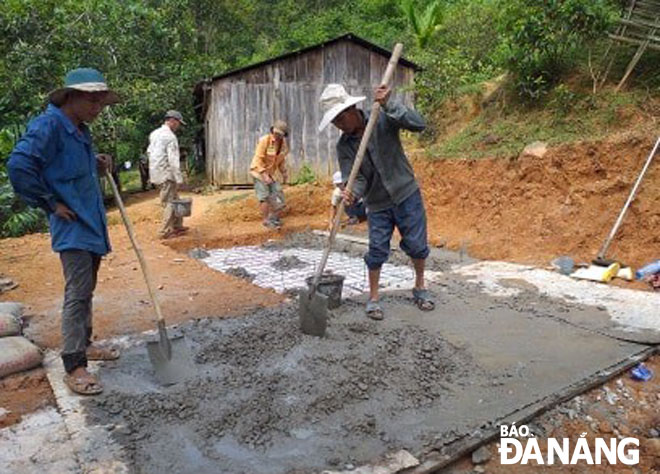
(239, 106)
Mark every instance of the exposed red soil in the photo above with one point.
(24, 393)
(532, 210)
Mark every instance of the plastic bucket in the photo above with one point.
(331, 286)
(182, 207)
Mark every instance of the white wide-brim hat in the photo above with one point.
(334, 100)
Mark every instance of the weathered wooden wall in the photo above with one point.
(242, 107)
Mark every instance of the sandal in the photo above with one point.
(168, 235)
(87, 385)
(423, 299)
(374, 311)
(100, 352)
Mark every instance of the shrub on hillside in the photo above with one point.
(541, 39)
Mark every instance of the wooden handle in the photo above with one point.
(136, 247)
(608, 241)
(373, 118)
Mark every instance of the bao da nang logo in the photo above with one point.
(519, 446)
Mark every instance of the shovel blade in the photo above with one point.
(313, 313)
(173, 367)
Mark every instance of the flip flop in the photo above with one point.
(99, 352)
(423, 299)
(374, 311)
(88, 385)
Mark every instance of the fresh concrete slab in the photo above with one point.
(626, 314)
(267, 399)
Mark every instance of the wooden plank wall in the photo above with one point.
(243, 106)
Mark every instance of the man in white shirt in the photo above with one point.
(165, 171)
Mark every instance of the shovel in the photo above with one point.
(313, 305)
(170, 357)
(600, 259)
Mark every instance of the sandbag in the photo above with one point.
(10, 325)
(18, 354)
(12, 308)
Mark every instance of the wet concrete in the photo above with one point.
(198, 253)
(438, 260)
(267, 399)
(240, 272)
(288, 263)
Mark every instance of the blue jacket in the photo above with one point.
(54, 162)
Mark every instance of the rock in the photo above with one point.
(610, 396)
(7, 284)
(491, 139)
(481, 455)
(198, 253)
(652, 448)
(653, 433)
(535, 150)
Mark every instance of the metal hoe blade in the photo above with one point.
(313, 312)
(170, 358)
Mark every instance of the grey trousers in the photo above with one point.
(167, 194)
(80, 271)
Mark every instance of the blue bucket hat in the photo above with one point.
(84, 79)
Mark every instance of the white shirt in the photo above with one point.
(163, 153)
(336, 197)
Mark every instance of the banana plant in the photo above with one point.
(424, 24)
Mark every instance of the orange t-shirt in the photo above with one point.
(268, 157)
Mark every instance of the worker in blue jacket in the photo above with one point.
(54, 167)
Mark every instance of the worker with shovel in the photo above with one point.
(165, 171)
(267, 162)
(53, 167)
(385, 180)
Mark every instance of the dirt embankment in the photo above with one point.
(531, 210)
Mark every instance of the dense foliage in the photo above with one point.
(154, 51)
(541, 39)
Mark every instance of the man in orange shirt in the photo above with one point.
(267, 161)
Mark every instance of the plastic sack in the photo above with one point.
(18, 354)
(12, 308)
(10, 325)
